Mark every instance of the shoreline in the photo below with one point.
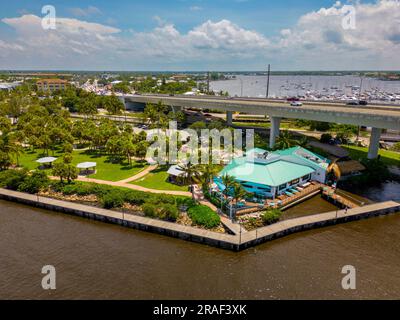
(237, 242)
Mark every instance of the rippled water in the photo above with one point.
(96, 260)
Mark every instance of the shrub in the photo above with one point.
(12, 179)
(113, 199)
(149, 210)
(34, 183)
(204, 216)
(185, 202)
(135, 198)
(396, 147)
(326, 137)
(271, 216)
(162, 198)
(168, 212)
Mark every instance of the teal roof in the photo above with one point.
(292, 152)
(272, 174)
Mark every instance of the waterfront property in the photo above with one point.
(269, 175)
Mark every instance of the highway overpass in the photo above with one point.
(376, 116)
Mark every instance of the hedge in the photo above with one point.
(271, 216)
(21, 180)
(204, 216)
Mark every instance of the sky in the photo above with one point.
(200, 35)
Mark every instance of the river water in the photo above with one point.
(99, 261)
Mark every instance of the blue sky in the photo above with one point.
(196, 35)
(264, 16)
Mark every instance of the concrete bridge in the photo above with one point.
(378, 117)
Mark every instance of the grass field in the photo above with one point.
(157, 180)
(106, 170)
(391, 158)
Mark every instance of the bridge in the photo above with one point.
(376, 116)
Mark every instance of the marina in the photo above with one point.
(313, 88)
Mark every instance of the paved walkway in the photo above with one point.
(198, 194)
(140, 175)
(131, 186)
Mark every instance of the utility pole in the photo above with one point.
(208, 82)
(359, 99)
(269, 73)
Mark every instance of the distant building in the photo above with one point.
(179, 77)
(9, 86)
(52, 84)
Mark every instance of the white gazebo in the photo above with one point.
(176, 175)
(86, 166)
(46, 160)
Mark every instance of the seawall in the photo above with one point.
(237, 242)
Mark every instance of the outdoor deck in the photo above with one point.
(340, 199)
(283, 201)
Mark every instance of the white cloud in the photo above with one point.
(320, 34)
(85, 12)
(317, 41)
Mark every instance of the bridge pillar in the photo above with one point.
(229, 118)
(374, 143)
(122, 99)
(274, 132)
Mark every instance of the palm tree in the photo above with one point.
(238, 192)
(229, 182)
(191, 174)
(285, 140)
(303, 142)
(208, 172)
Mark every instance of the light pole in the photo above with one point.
(269, 72)
(240, 234)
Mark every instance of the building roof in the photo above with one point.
(57, 81)
(304, 155)
(272, 174)
(275, 168)
(176, 171)
(86, 165)
(46, 160)
(347, 167)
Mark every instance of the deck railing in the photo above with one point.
(276, 204)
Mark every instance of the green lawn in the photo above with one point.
(106, 170)
(391, 158)
(157, 180)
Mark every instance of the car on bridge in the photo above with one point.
(296, 104)
(357, 103)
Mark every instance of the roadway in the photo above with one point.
(380, 116)
(376, 116)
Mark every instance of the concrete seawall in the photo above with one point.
(236, 242)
